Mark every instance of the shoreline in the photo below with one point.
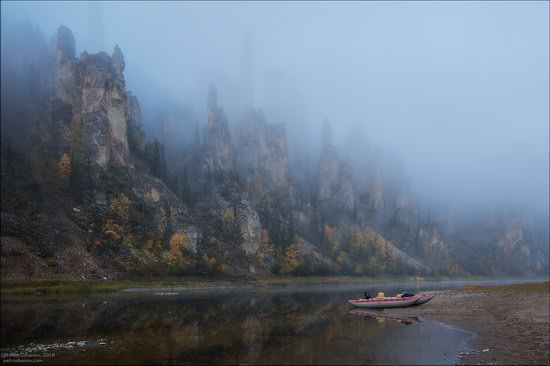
(510, 322)
(18, 287)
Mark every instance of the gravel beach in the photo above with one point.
(511, 322)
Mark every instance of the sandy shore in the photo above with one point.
(511, 322)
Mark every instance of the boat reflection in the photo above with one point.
(381, 316)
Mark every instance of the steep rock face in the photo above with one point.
(66, 67)
(251, 230)
(219, 151)
(309, 251)
(430, 237)
(169, 213)
(517, 239)
(514, 237)
(346, 189)
(335, 175)
(66, 101)
(104, 108)
(91, 92)
(408, 260)
(328, 173)
(136, 137)
(262, 155)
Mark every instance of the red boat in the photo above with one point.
(386, 302)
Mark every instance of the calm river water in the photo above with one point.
(291, 325)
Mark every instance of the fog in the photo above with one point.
(458, 91)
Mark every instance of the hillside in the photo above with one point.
(86, 195)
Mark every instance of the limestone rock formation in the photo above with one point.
(91, 91)
(219, 151)
(250, 230)
(335, 175)
(262, 155)
(66, 67)
(104, 108)
(194, 214)
(169, 213)
(136, 137)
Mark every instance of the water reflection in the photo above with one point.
(381, 316)
(263, 327)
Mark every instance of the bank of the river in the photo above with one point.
(45, 286)
(511, 321)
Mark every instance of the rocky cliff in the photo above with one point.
(104, 124)
(219, 153)
(87, 184)
(262, 155)
(335, 174)
(85, 195)
(136, 137)
(90, 91)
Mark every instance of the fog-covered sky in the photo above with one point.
(459, 90)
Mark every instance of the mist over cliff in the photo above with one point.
(266, 138)
(458, 91)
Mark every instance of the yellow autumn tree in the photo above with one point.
(120, 207)
(342, 258)
(330, 236)
(112, 230)
(151, 246)
(177, 243)
(369, 238)
(358, 242)
(356, 239)
(129, 240)
(64, 167)
(292, 255)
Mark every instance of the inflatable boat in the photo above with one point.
(385, 302)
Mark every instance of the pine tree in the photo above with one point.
(75, 139)
(75, 179)
(163, 167)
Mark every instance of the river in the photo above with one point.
(286, 325)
